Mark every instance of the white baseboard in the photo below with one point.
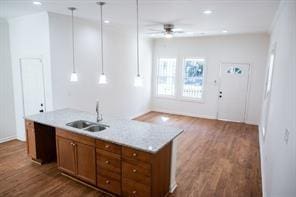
(251, 122)
(173, 188)
(139, 114)
(183, 114)
(196, 115)
(21, 139)
(6, 139)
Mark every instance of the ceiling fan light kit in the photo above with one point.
(169, 31)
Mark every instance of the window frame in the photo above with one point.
(192, 99)
(156, 78)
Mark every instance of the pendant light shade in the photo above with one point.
(102, 77)
(74, 76)
(138, 81)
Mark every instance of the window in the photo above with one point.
(166, 73)
(193, 78)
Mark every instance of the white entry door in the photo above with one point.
(32, 86)
(233, 92)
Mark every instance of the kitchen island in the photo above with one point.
(125, 158)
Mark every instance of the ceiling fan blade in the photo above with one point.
(154, 33)
(178, 31)
(151, 29)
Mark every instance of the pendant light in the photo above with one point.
(138, 79)
(102, 78)
(74, 76)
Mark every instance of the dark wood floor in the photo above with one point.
(215, 158)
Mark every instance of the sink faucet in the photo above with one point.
(99, 116)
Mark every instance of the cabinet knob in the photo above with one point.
(134, 170)
(134, 154)
(107, 182)
(107, 146)
(134, 192)
(107, 162)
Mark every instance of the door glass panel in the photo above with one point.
(235, 70)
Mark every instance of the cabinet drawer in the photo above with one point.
(29, 123)
(132, 188)
(108, 161)
(109, 174)
(108, 184)
(75, 137)
(137, 171)
(107, 146)
(136, 154)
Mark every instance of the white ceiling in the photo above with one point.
(235, 16)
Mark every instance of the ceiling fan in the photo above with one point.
(168, 31)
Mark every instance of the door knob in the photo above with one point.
(41, 110)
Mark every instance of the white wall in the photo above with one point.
(29, 38)
(7, 116)
(248, 48)
(278, 148)
(119, 97)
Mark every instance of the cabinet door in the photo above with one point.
(31, 142)
(66, 155)
(86, 162)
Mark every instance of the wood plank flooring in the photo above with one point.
(215, 158)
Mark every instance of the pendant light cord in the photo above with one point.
(138, 58)
(73, 46)
(102, 42)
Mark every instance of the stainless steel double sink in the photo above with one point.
(87, 126)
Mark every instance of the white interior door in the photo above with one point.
(32, 86)
(233, 92)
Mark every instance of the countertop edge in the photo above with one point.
(96, 137)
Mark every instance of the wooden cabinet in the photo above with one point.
(117, 169)
(86, 162)
(108, 166)
(31, 140)
(66, 155)
(76, 155)
(40, 142)
(145, 174)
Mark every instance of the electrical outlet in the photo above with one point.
(286, 136)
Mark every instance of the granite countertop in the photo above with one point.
(139, 135)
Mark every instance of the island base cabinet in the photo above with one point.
(133, 188)
(76, 155)
(86, 162)
(66, 155)
(41, 146)
(31, 142)
(146, 174)
(109, 184)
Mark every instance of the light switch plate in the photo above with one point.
(286, 136)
